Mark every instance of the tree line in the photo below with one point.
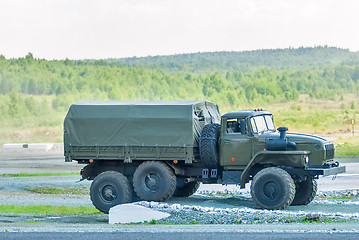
(245, 61)
(68, 81)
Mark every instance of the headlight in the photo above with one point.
(306, 159)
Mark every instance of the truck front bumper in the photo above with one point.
(325, 170)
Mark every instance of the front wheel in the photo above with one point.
(109, 189)
(272, 188)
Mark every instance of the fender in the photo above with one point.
(282, 158)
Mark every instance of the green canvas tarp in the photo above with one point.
(138, 123)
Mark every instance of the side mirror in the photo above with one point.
(243, 125)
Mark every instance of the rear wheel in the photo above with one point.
(305, 192)
(109, 189)
(187, 190)
(273, 188)
(154, 181)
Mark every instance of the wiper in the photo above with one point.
(267, 130)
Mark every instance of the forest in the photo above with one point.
(245, 61)
(36, 93)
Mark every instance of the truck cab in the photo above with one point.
(249, 134)
(282, 166)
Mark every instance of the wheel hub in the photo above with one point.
(152, 181)
(271, 190)
(109, 193)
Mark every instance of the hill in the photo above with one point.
(245, 61)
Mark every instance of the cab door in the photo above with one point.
(235, 147)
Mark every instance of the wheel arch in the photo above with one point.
(92, 170)
(289, 159)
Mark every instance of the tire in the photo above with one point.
(154, 181)
(109, 189)
(272, 188)
(209, 150)
(305, 192)
(187, 190)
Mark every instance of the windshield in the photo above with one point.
(262, 124)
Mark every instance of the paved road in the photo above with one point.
(159, 232)
(174, 236)
(27, 161)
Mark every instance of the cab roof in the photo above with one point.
(246, 113)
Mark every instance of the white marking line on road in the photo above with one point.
(341, 175)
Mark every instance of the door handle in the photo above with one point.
(227, 141)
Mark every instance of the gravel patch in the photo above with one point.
(217, 214)
(203, 209)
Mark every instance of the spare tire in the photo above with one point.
(208, 145)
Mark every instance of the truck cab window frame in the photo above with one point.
(262, 123)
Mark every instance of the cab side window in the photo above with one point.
(233, 126)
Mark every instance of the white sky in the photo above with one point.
(94, 29)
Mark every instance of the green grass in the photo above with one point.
(152, 222)
(347, 149)
(323, 219)
(347, 196)
(329, 220)
(69, 190)
(155, 222)
(36, 174)
(48, 209)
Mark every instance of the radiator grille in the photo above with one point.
(329, 149)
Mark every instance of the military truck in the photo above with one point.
(152, 150)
